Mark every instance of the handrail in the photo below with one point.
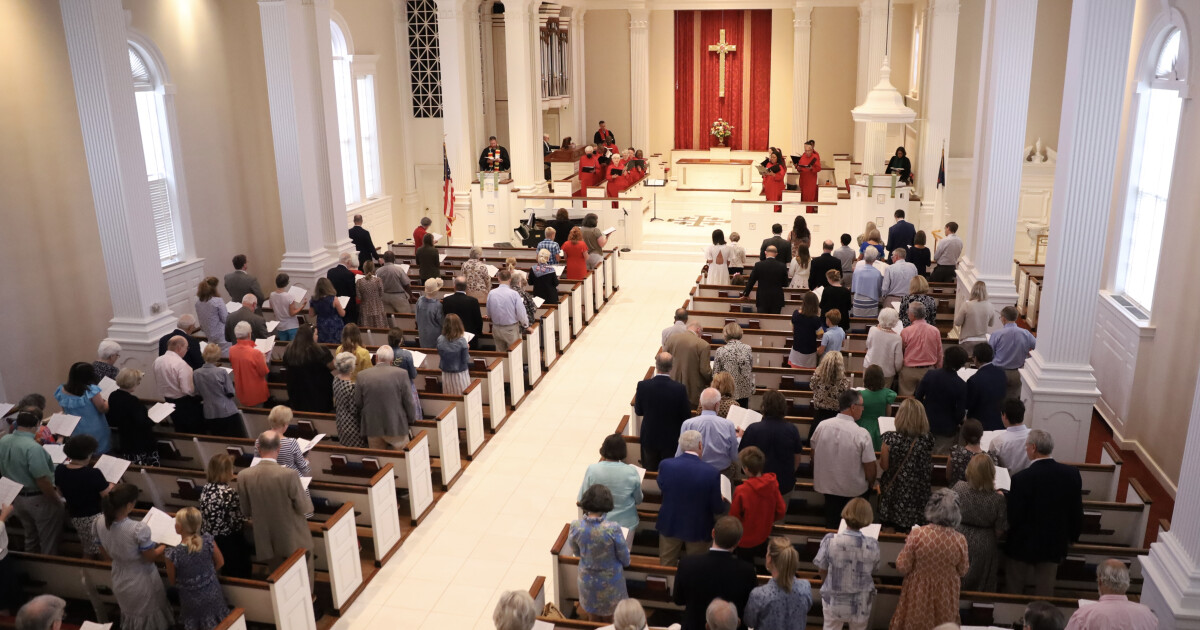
(784, 202)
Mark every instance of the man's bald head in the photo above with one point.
(771, 251)
(681, 315)
(721, 615)
(827, 245)
(663, 362)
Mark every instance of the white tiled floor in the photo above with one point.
(493, 531)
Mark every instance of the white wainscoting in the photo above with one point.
(377, 218)
(1115, 347)
(182, 280)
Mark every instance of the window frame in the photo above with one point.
(1146, 84)
(172, 154)
(360, 67)
(916, 50)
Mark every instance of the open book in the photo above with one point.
(307, 445)
(297, 293)
(160, 411)
(344, 300)
(108, 386)
(9, 490)
(233, 307)
(112, 467)
(870, 531)
(886, 424)
(62, 424)
(272, 325)
(265, 345)
(608, 231)
(419, 357)
(162, 527)
(726, 489)
(742, 417)
(1003, 479)
(986, 441)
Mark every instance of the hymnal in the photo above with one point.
(870, 531)
(160, 411)
(297, 293)
(608, 231)
(107, 387)
(62, 424)
(112, 467)
(162, 527)
(233, 307)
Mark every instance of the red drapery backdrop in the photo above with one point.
(712, 106)
(747, 101)
(685, 88)
(759, 119)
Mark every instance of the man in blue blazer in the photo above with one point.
(901, 234)
(691, 499)
(986, 390)
(663, 405)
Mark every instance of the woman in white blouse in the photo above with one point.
(883, 345)
(975, 317)
(717, 257)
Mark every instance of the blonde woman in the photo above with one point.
(798, 268)
(884, 347)
(918, 291)
(828, 382)
(975, 317)
(454, 357)
(984, 520)
(290, 454)
(221, 509)
(723, 382)
(192, 567)
(873, 241)
(906, 461)
(846, 561)
(778, 604)
(862, 238)
(352, 343)
(735, 358)
(429, 312)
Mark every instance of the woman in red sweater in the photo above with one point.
(758, 504)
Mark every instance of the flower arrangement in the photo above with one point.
(721, 130)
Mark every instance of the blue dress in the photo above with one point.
(603, 556)
(329, 323)
(201, 603)
(91, 421)
(626, 486)
(772, 608)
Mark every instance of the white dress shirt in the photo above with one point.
(174, 376)
(1009, 449)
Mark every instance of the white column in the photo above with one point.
(872, 36)
(639, 77)
(1058, 379)
(474, 58)
(299, 65)
(98, 49)
(1172, 569)
(1006, 61)
(456, 113)
(801, 45)
(524, 96)
(581, 129)
(941, 40)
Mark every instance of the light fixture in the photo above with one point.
(884, 103)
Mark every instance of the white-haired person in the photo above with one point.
(44, 612)
(106, 362)
(884, 346)
(550, 244)
(721, 615)
(186, 327)
(249, 368)
(735, 358)
(215, 388)
(603, 555)
(520, 284)
(868, 284)
(1114, 610)
(383, 394)
(430, 314)
(718, 434)
(474, 269)
(258, 325)
(629, 615)
(514, 610)
(290, 454)
(975, 317)
(933, 560)
(544, 278)
(346, 411)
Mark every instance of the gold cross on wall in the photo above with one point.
(722, 48)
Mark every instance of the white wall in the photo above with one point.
(606, 37)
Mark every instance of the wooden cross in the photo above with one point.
(722, 48)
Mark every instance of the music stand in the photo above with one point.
(655, 183)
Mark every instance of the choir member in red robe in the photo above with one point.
(589, 167)
(808, 165)
(772, 180)
(616, 174)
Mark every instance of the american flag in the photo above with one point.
(941, 181)
(447, 193)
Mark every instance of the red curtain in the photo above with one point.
(685, 88)
(711, 106)
(760, 80)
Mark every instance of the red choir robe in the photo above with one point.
(809, 167)
(589, 170)
(773, 184)
(616, 178)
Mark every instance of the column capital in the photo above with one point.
(945, 7)
(802, 15)
(639, 19)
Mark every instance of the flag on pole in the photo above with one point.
(941, 182)
(447, 193)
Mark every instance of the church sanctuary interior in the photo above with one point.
(592, 314)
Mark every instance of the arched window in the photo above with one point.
(358, 127)
(1161, 88)
(165, 187)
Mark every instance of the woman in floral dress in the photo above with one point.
(370, 298)
(906, 462)
(984, 519)
(933, 559)
(192, 567)
(603, 556)
(349, 425)
(734, 357)
(221, 512)
(329, 312)
(476, 273)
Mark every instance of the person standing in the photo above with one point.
(249, 369)
(836, 297)
(136, 584)
(784, 601)
(922, 347)
(984, 521)
(846, 560)
(603, 136)
(718, 434)
(494, 157)
(285, 307)
(806, 321)
(757, 503)
(346, 410)
(771, 276)
(1045, 517)
(127, 414)
(186, 328)
(773, 180)
(783, 247)
(1011, 345)
(239, 283)
(384, 395)
(363, 243)
(736, 359)
(663, 406)
(37, 506)
(397, 296)
(308, 365)
(808, 165)
(369, 291)
(1114, 611)
(275, 498)
(80, 397)
(575, 255)
(901, 234)
(690, 363)
(944, 395)
(703, 577)
(549, 244)
(621, 479)
(897, 279)
(429, 314)
(1008, 448)
(843, 458)
(691, 496)
(466, 307)
(220, 508)
(507, 313)
(986, 390)
(906, 463)
(420, 231)
(343, 283)
(192, 567)
(603, 555)
(83, 487)
(821, 265)
(933, 561)
(258, 324)
(589, 175)
(716, 256)
(946, 255)
(900, 165)
(328, 311)
(919, 254)
(778, 439)
(454, 357)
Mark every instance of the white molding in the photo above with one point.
(363, 65)
(180, 281)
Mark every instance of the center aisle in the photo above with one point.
(493, 531)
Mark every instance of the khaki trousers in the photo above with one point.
(1013, 378)
(671, 549)
(910, 377)
(1019, 575)
(387, 442)
(506, 336)
(397, 303)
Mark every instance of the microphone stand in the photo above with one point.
(625, 231)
